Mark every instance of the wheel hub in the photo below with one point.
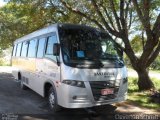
(52, 100)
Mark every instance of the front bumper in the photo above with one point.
(76, 97)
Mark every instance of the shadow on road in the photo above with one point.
(99, 113)
(27, 105)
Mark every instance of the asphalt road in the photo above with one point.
(26, 104)
(18, 104)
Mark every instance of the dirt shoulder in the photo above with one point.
(130, 107)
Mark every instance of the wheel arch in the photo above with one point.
(48, 84)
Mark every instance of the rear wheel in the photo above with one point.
(52, 100)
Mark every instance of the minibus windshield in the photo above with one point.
(85, 45)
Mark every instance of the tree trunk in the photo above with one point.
(144, 81)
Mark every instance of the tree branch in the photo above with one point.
(145, 20)
(144, 17)
(154, 54)
(82, 14)
(146, 6)
(139, 12)
(127, 8)
(100, 14)
(118, 45)
(146, 10)
(157, 23)
(122, 13)
(156, 27)
(130, 19)
(115, 14)
(103, 19)
(143, 39)
(109, 18)
(122, 17)
(126, 14)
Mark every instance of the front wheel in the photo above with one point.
(52, 100)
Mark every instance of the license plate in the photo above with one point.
(107, 91)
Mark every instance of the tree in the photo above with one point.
(21, 17)
(17, 20)
(116, 17)
(119, 18)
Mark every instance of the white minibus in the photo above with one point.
(74, 66)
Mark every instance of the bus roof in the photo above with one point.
(49, 29)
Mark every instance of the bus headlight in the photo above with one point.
(74, 83)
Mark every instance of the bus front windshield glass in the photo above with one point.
(86, 46)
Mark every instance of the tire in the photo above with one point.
(52, 100)
(23, 87)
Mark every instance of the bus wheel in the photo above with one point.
(23, 87)
(52, 100)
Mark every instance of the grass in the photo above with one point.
(141, 98)
(155, 71)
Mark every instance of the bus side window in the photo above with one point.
(19, 46)
(24, 49)
(41, 46)
(32, 48)
(49, 47)
(14, 50)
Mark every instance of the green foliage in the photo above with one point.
(141, 98)
(17, 20)
(156, 64)
(127, 61)
(5, 57)
(137, 44)
(132, 84)
(22, 17)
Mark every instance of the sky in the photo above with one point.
(2, 3)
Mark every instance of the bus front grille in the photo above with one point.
(97, 86)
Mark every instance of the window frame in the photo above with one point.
(20, 49)
(47, 43)
(14, 50)
(27, 49)
(45, 40)
(35, 48)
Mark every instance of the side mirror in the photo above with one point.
(56, 49)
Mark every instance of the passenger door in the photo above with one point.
(40, 74)
(52, 70)
(46, 63)
(30, 62)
